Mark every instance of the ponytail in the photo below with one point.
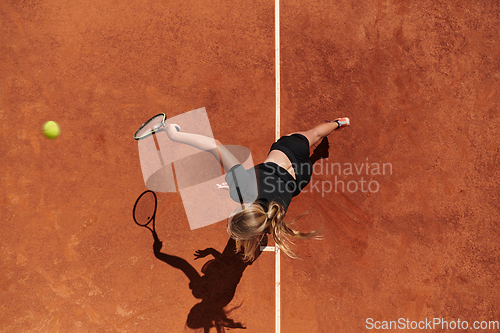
(282, 233)
(248, 227)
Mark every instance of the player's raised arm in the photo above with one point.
(215, 147)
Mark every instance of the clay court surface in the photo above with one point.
(419, 80)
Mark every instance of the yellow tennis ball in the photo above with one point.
(51, 129)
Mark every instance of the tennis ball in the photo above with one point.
(51, 129)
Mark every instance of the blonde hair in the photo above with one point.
(248, 226)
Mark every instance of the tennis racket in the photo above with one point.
(152, 126)
(145, 211)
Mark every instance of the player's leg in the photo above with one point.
(319, 132)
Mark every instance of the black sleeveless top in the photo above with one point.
(263, 183)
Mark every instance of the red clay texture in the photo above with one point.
(408, 199)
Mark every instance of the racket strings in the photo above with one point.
(152, 125)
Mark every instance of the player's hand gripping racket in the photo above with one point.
(145, 211)
(152, 126)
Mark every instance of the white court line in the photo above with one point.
(277, 136)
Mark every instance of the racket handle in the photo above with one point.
(155, 236)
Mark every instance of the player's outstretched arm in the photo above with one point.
(175, 262)
(203, 253)
(215, 147)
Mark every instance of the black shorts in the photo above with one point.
(296, 148)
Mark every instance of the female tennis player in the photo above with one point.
(285, 172)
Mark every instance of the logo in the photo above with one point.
(169, 166)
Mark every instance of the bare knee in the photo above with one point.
(312, 136)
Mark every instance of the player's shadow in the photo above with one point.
(321, 151)
(215, 288)
(220, 276)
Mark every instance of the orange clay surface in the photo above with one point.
(419, 80)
